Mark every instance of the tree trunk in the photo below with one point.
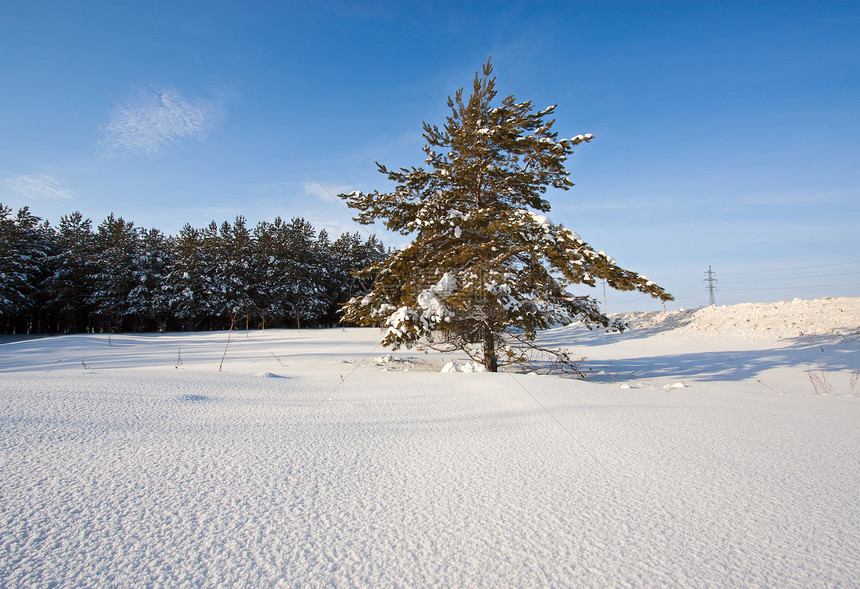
(491, 363)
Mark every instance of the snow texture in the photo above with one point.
(699, 455)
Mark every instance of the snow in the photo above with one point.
(542, 220)
(447, 284)
(609, 259)
(458, 366)
(399, 319)
(697, 454)
(434, 309)
(674, 385)
(757, 321)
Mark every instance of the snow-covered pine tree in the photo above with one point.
(70, 283)
(115, 246)
(269, 267)
(232, 280)
(149, 299)
(486, 266)
(305, 278)
(349, 255)
(188, 280)
(24, 246)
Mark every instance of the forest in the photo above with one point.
(117, 277)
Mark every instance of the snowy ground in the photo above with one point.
(698, 454)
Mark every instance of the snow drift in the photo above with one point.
(694, 458)
(759, 321)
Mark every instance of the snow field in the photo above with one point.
(314, 459)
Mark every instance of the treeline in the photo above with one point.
(118, 277)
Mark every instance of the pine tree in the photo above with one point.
(305, 278)
(486, 267)
(232, 295)
(268, 267)
(149, 299)
(24, 245)
(189, 285)
(70, 282)
(115, 247)
(349, 255)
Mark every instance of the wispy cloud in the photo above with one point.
(801, 197)
(154, 119)
(40, 187)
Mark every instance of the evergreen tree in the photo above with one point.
(304, 278)
(70, 283)
(149, 299)
(232, 280)
(326, 291)
(24, 245)
(115, 248)
(188, 281)
(486, 266)
(268, 266)
(349, 254)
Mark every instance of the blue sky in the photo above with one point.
(726, 132)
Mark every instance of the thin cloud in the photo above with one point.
(799, 197)
(42, 187)
(153, 120)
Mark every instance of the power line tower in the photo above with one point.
(604, 296)
(710, 281)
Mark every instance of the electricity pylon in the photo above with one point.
(711, 285)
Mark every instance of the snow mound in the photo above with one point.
(756, 321)
(389, 362)
(456, 366)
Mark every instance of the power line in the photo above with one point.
(791, 286)
(792, 268)
(790, 277)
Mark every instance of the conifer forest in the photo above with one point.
(117, 277)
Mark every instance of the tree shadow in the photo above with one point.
(577, 334)
(827, 353)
